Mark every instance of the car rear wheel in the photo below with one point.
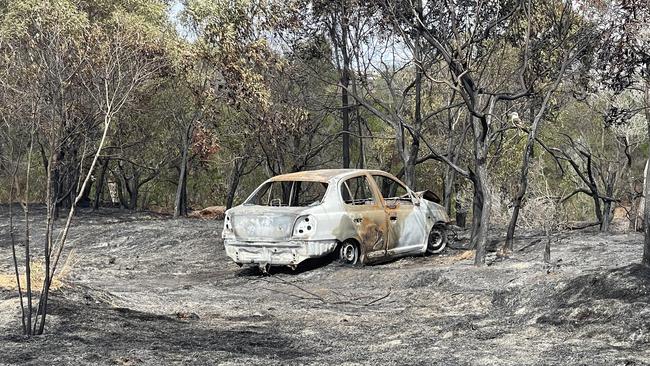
(437, 239)
(350, 253)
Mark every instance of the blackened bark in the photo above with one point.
(461, 215)
(235, 176)
(345, 83)
(180, 203)
(99, 185)
(646, 208)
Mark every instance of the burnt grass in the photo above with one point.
(143, 289)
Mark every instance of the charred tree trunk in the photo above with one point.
(646, 214)
(238, 168)
(414, 148)
(450, 177)
(461, 215)
(482, 206)
(477, 208)
(180, 203)
(547, 248)
(345, 83)
(523, 183)
(99, 185)
(482, 191)
(133, 188)
(119, 185)
(646, 208)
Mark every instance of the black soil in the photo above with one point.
(143, 289)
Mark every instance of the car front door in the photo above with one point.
(406, 223)
(364, 209)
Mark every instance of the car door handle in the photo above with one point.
(393, 218)
(357, 219)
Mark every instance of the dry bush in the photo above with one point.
(8, 280)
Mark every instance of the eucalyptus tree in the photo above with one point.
(559, 43)
(471, 39)
(624, 63)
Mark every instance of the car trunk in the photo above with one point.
(260, 223)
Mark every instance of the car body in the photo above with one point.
(364, 215)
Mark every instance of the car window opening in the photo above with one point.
(392, 189)
(356, 191)
(289, 194)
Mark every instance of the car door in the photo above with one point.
(365, 210)
(406, 223)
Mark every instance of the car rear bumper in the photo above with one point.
(277, 253)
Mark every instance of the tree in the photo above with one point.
(558, 40)
(60, 51)
(624, 63)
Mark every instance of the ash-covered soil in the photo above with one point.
(146, 289)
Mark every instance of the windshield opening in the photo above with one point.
(289, 194)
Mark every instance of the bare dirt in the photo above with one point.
(142, 289)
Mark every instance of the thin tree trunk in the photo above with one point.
(180, 203)
(477, 212)
(12, 234)
(461, 215)
(646, 191)
(49, 274)
(99, 186)
(528, 152)
(547, 247)
(238, 168)
(28, 265)
(134, 192)
(450, 177)
(482, 232)
(646, 215)
(345, 83)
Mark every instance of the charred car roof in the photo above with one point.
(322, 175)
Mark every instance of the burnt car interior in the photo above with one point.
(289, 194)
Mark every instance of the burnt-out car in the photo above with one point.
(364, 216)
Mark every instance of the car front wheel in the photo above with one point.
(437, 239)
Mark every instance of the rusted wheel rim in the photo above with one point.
(349, 253)
(435, 238)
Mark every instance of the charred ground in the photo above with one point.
(145, 289)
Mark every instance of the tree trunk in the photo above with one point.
(547, 247)
(345, 82)
(414, 148)
(646, 209)
(482, 191)
(461, 215)
(523, 181)
(646, 215)
(607, 217)
(477, 211)
(180, 203)
(450, 177)
(238, 168)
(482, 232)
(134, 192)
(99, 185)
(119, 185)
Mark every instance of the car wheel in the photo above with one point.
(437, 239)
(350, 253)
